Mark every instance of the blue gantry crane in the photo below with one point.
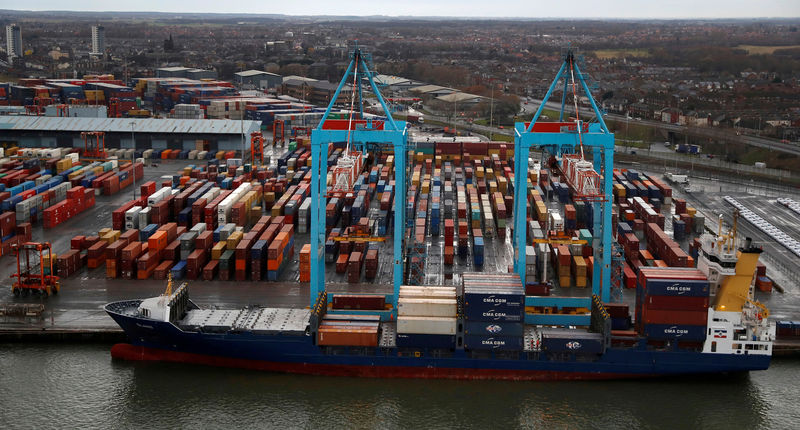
(591, 181)
(359, 134)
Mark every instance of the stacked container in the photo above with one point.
(426, 317)
(672, 303)
(494, 310)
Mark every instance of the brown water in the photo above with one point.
(80, 386)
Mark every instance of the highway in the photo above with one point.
(708, 132)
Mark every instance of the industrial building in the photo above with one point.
(13, 41)
(257, 79)
(98, 40)
(185, 72)
(149, 133)
(312, 90)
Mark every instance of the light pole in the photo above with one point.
(491, 109)
(133, 141)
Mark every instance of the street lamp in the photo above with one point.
(133, 141)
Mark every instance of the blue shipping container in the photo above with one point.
(494, 343)
(488, 328)
(678, 332)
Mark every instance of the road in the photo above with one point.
(713, 133)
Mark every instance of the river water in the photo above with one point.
(80, 386)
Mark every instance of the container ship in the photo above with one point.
(476, 330)
(693, 313)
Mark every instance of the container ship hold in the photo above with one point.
(476, 330)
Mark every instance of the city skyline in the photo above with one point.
(623, 9)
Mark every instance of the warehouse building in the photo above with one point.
(149, 133)
(257, 79)
(185, 72)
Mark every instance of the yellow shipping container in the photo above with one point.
(254, 214)
(578, 266)
(234, 239)
(691, 211)
(619, 190)
(426, 187)
(218, 249)
(103, 232)
(564, 281)
(580, 281)
(502, 184)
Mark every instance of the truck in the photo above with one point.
(415, 118)
(683, 148)
(678, 179)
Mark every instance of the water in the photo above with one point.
(79, 386)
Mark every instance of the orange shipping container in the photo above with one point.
(157, 241)
(276, 263)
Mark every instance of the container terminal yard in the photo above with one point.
(394, 220)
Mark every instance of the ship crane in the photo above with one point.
(357, 133)
(590, 180)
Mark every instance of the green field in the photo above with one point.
(766, 50)
(620, 53)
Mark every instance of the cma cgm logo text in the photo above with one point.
(494, 328)
(573, 345)
(675, 330)
(493, 299)
(679, 288)
(494, 314)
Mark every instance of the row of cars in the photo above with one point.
(765, 226)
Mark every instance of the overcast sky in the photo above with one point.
(465, 8)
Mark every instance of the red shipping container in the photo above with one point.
(204, 241)
(655, 316)
(676, 303)
(118, 215)
(210, 270)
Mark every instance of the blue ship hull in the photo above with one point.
(164, 341)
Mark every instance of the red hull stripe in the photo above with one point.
(126, 351)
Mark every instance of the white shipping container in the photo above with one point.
(132, 217)
(426, 325)
(530, 255)
(427, 289)
(426, 307)
(158, 196)
(199, 227)
(556, 222)
(144, 217)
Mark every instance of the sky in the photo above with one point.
(461, 8)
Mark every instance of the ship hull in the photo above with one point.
(163, 341)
